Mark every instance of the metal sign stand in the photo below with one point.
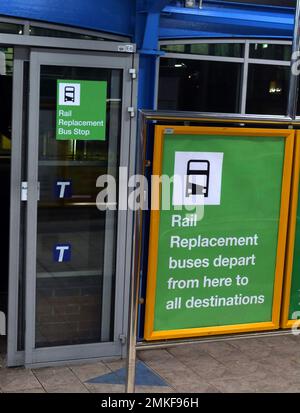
(135, 270)
(133, 308)
(135, 273)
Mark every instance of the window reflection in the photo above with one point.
(270, 51)
(196, 85)
(206, 49)
(267, 89)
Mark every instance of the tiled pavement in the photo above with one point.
(268, 364)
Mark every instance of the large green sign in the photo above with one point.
(295, 285)
(219, 269)
(81, 110)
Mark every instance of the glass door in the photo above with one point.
(79, 129)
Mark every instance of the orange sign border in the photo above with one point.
(149, 332)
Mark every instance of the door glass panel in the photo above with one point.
(76, 242)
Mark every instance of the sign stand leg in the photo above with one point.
(135, 279)
(131, 363)
(133, 308)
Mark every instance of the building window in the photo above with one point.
(199, 85)
(243, 76)
(268, 88)
(41, 31)
(270, 51)
(206, 49)
(10, 28)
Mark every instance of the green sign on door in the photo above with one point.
(220, 272)
(81, 110)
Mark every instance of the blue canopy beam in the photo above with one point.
(230, 20)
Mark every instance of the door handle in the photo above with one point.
(24, 191)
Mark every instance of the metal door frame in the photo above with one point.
(15, 357)
(31, 355)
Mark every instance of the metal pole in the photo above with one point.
(294, 77)
(132, 328)
(135, 276)
(133, 312)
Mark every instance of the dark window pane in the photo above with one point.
(196, 85)
(41, 31)
(270, 51)
(207, 49)
(11, 28)
(298, 106)
(267, 89)
(173, 48)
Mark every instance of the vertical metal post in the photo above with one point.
(245, 78)
(133, 311)
(135, 273)
(294, 77)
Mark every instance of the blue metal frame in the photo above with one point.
(227, 20)
(160, 18)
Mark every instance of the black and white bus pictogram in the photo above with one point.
(197, 177)
(69, 94)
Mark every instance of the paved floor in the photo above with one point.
(268, 364)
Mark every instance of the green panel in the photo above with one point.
(295, 286)
(248, 215)
(81, 110)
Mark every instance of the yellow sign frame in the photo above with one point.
(285, 321)
(149, 333)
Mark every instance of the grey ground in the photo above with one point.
(267, 364)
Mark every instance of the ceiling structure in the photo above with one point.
(166, 18)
